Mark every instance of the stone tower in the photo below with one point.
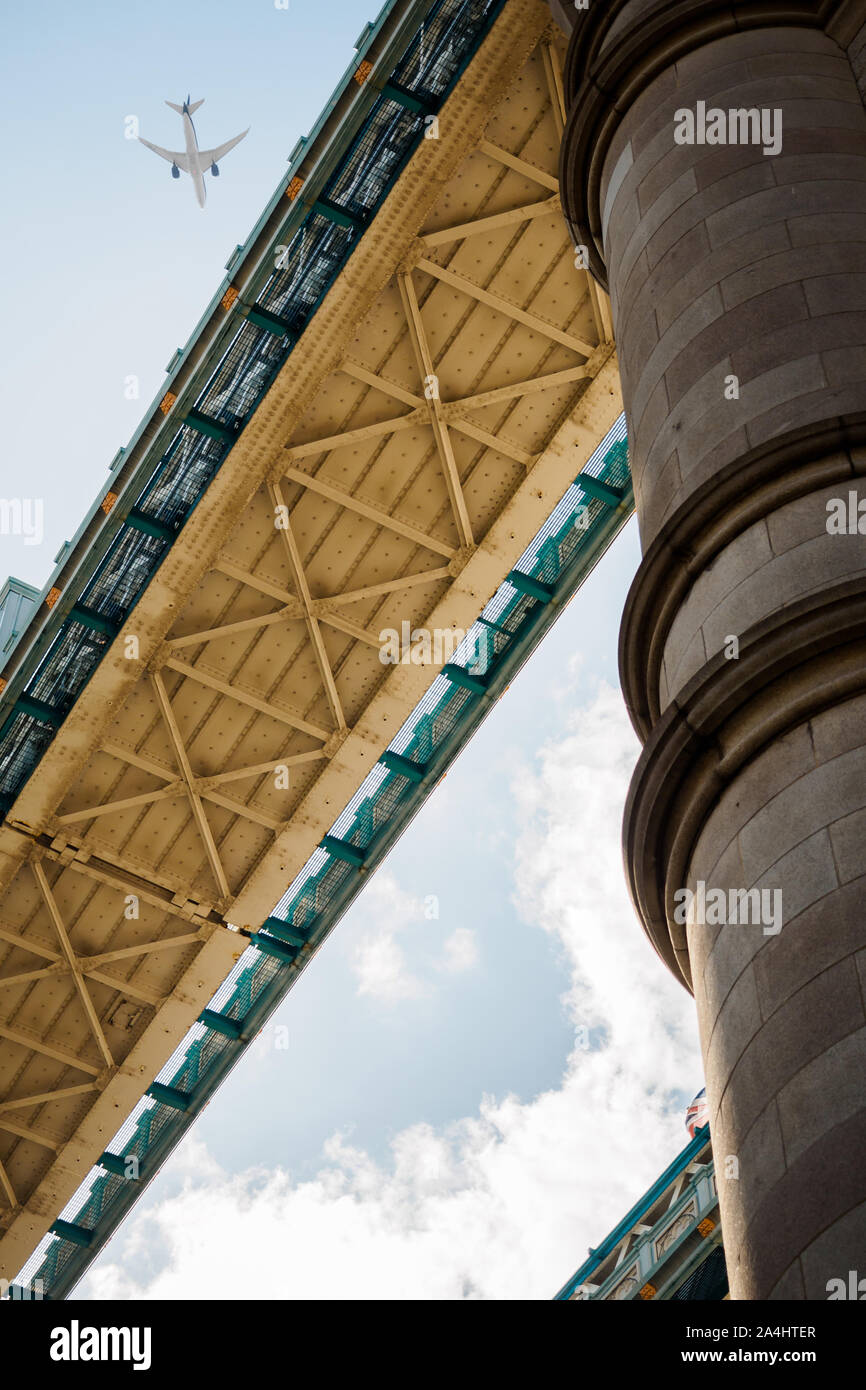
(714, 167)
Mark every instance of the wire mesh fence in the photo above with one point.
(303, 272)
(317, 895)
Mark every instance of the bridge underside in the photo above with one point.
(447, 391)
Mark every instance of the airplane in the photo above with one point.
(193, 161)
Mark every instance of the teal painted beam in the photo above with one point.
(215, 429)
(37, 709)
(338, 215)
(395, 762)
(341, 849)
(274, 948)
(113, 1163)
(262, 319)
(533, 588)
(292, 936)
(495, 627)
(218, 1023)
(594, 487)
(406, 99)
(149, 525)
(76, 1235)
(169, 1095)
(94, 621)
(457, 676)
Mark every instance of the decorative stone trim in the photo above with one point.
(789, 670)
(614, 54)
(753, 486)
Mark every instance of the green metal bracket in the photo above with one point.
(37, 709)
(406, 99)
(594, 487)
(149, 526)
(533, 588)
(292, 936)
(95, 621)
(169, 1095)
(338, 215)
(76, 1235)
(457, 676)
(270, 322)
(214, 428)
(395, 762)
(272, 947)
(341, 849)
(495, 627)
(113, 1163)
(218, 1023)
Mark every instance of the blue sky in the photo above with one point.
(431, 1126)
(110, 262)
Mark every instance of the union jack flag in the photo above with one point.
(698, 1113)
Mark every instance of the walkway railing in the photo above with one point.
(524, 607)
(310, 249)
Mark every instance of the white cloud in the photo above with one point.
(378, 959)
(504, 1203)
(380, 965)
(461, 950)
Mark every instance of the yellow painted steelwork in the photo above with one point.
(449, 388)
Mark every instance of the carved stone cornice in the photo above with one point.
(753, 486)
(617, 48)
(807, 659)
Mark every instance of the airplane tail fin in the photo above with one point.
(191, 106)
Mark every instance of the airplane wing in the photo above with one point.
(173, 156)
(208, 157)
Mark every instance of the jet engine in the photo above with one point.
(175, 172)
(215, 170)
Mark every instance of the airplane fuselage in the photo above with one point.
(195, 170)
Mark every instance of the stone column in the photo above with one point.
(736, 259)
